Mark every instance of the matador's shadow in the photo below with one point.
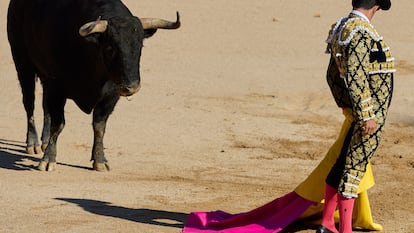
(146, 216)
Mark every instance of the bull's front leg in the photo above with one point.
(54, 106)
(100, 163)
(48, 162)
(100, 116)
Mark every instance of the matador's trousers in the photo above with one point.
(356, 151)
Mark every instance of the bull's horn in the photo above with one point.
(154, 23)
(97, 26)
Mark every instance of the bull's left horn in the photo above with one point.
(97, 26)
(154, 23)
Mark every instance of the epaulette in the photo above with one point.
(354, 25)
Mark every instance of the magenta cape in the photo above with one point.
(269, 218)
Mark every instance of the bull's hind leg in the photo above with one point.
(32, 143)
(26, 75)
(55, 103)
(46, 123)
(100, 116)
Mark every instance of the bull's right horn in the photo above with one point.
(97, 26)
(154, 23)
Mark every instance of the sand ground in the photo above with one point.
(233, 112)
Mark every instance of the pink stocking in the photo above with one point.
(331, 201)
(345, 205)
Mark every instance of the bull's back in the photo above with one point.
(47, 30)
(41, 29)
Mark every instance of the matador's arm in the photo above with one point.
(358, 67)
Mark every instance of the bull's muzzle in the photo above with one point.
(128, 90)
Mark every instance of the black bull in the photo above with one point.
(85, 50)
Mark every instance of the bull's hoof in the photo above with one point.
(31, 150)
(46, 166)
(101, 167)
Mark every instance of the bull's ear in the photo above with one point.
(149, 32)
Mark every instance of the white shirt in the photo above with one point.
(361, 15)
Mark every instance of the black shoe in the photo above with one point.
(322, 229)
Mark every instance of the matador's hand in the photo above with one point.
(369, 127)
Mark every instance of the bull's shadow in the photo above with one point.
(13, 156)
(146, 216)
